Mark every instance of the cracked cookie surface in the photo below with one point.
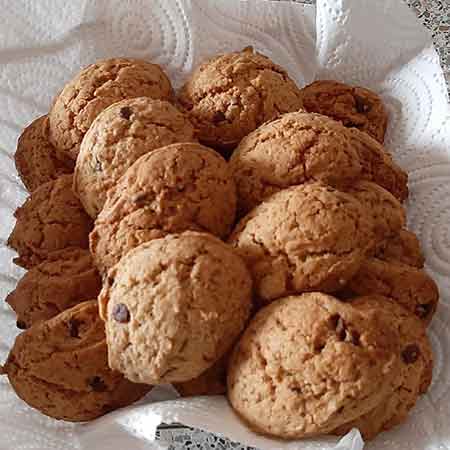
(403, 247)
(294, 378)
(60, 367)
(230, 95)
(95, 88)
(354, 106)
(291, 150)
(412, 288)
(51, 219)
(388, 214)
(65, 278)
(172, 189)
(174, 306)
(117, 138)
(415, 373)
(308, 237)
(378, 165)
(35, 157)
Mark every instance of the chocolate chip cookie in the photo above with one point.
(174, 306)
(354, 106)
(65, 278)
(35, 157)
(51, 219)
(172, 189)
(291, 150)
(292, 378)
(60, 368)
(230, 95)
(415, 371)
(412, 288)
(117, 138)
(305, 238)
(95, 88)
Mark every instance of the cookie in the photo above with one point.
(305, 238)
(60, 368)
(354, 106)
(212, 381)
(51, 219)
(35, 157)
(388, 214)
(117, 138)
(378, 165)
(66, 278)
(415, 372)
(231, 95)
(404, 247)
(292, 378)
(291, 150)
(94, 89)
(412, 288)
(172, 189)
(173, 307)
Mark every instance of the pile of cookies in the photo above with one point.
(243, 236)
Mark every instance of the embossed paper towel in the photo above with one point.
(377, 43)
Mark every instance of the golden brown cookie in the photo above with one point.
(308, 237)
(412, 288)
(212, 381)
(354, 106)
(51, 219)
(388, 214)
(60, 367)
(95, 88)
(231, 95)
(174, 306)
(289, 151)
(117, 138)
(378, 165)
(308, 364)
(65, 278)
(404, 247)
(172, 189)
(415, 371)
(35, 157)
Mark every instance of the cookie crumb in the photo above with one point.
(410, 354)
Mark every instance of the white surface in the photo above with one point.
(376, 43)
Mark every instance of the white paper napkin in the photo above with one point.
(377, 43)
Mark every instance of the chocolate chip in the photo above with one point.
(120, 313)
(410, 354)
(423, 310)
(21, 325)
(218, 116)
(361, 106)
(73, 326)
(97, 384)
(98, 165)
(180, 188)
(296, 389)
(340, 329)
(125, 112)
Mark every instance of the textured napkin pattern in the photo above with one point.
(375, 43)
